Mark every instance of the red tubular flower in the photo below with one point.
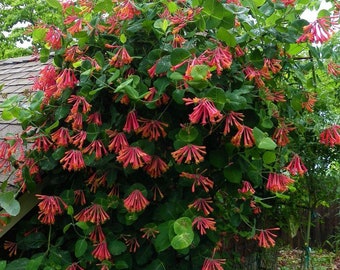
(79, 197)
(126, 10)
(95, 118)
(77, 27)
(333, 69)
(11, 247)
(280, 135)
(41, 144)
(53, 38)
(96, 181)
(136, 201)
(198, 180)
(278, 182)
(121, 58)
(156, 167)
(296, 166)
(178, 41)
(73, 160)
(238, 51)
(133, 156)
(203, 223)
(248, 137)
(61, 137)
(189, 151)
(213, 264)
(273, 65)
(152, 129)
(66, 79)
(131, 123)
(132, 244)
(204, 110)
(97, 235)
(101, 252)
(118, 141)
(246, 189)
(149, 232)
(202, 204)
(220, 58)
(94, 214)
(74, 266)
(46, 81)
(152, 70)
(79, 101)
(98, 147)
(318, 31)
(309, 104)
(156, 192)
(49, 207)
(330, 136)
(79, 139)
(276, 96)
(266, 238)
(77, 121)
(232, 119)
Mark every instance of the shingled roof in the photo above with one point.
(16, 77)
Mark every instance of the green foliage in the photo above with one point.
(164, 133)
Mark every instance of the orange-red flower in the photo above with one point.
(280, 135)
(77, 102)
(149, 232)
(232, 119)
(213, 264)
(131, 123)
(246, 189)
(219, 58)
(76, 119)
(97, 235)
(136, 201)
(248, 137)
(189, 152)
(74, 266)
(152, 129)
(101, 252)
(79, 197)
(118, 141)
(73, 160)
(132, 244)
(126, 10)
(94, 214)
(98, 147)
(96, 181)
(95, 118)
(198, 180)
(278, 182)
(134, 156)
(203, 223)
(330, 136)
(156, 167)
(11, 247)
(202, 204)
(296, 166)
(66, 79)
(53, 38)
(318, 31)
(41, 144)
(49, 207)
(79, 138)
(276, 96)
(266, 238)
(333, 69)
(204, 111)
(121, 58)
(61, 137)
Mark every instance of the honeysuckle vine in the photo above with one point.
(163, 131)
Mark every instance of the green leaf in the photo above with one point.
(120, 264)
(156, 265)
(269, 157)
(34, 240)
(80, 248)
(38, 34)
(34, 264)
(224, 35)
(162, 242)
(182, 241)
(161, 24)
(218, 97)
(267, 144)
(18, 264)
(188, 134)
(82, 225)
(9, 203)
(178, 55)
(116, 247)
(199, 72)
(233, 174)
(103, 5)
(65, 229)
(122, 38)
(7, 115)
(51, 127)
(183, 225)
(218, 158)
(3, 265)
(55, 4)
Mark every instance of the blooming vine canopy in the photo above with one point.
(160, 127)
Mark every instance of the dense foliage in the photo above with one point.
(166, 134)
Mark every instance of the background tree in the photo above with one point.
(16, 19)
